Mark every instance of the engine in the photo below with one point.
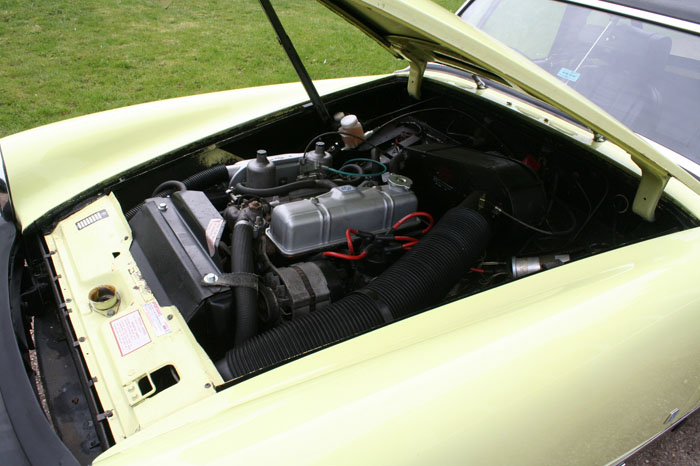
(340, 238)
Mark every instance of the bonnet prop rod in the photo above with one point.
(291, 52)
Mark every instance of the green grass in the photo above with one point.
(62, 59)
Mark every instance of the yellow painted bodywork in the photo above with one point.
(96, 255)
(52, 164)
(521, 370)
(605, 346)
(573, 366)
(579, 364)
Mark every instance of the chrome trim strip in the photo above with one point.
(640, 14)
(621, 461)
(657, 18)
(671, 415)
(679, 159)
(461, 9)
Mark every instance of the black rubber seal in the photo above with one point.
(25, 419)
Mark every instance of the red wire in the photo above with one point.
(477, 270)
(340, 255)
(351, 247)
(410, 241)
(416, 214)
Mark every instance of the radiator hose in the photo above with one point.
(198, 181)
(419, 279)
(206, 178)
(246, 298)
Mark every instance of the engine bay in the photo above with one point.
(296, 238)
(293, 234)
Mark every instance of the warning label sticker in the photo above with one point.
(212, 233)
(130, 332)
(156, 318)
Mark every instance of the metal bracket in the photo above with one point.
(234, 280)
(133, 393)
(649, 192)
(105, 415)
(415, 77)
(480, 84)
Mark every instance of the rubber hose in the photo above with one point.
(133, 211)
(419, 279)
(285, 188)
(210, 176)
(246, 298)
(168, 187)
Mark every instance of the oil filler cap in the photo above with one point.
(399, 181)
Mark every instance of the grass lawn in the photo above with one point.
(64, 58)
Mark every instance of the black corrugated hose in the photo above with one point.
(416, 281)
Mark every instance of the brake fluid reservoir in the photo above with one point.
(351, 125)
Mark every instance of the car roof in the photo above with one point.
(680, 9)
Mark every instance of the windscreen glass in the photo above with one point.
(645, 75)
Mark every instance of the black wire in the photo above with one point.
(533, 228)
(450, 109)
(431, 109)
(572, 217)
(343, 133)
(526, 225)
(555, 185)
(593, 211)
(422, 102)
(585, 196)
(318, 136)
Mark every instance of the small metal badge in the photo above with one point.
(87, 221)
(672, 416)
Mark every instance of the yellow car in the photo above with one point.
(487, 258)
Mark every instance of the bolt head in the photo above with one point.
(211, 278)
(162, 206)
